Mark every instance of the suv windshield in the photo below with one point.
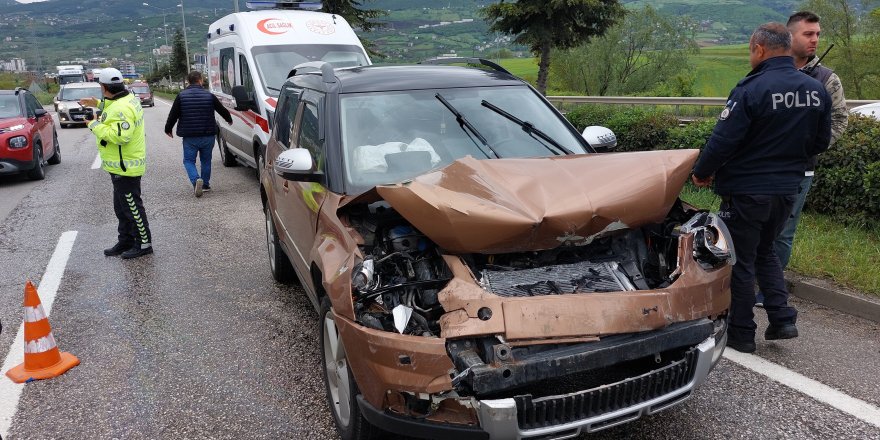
(77, 93)
(390, 137)
(275, 62)
(9, 107)
(140, 89)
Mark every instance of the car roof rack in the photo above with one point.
(328, 75)
(268, 4)
(466, 60)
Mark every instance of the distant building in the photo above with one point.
(14, 65)
(127, 68)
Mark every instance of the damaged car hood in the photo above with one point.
(515, 205)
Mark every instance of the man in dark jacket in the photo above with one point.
(775, 119)
(194, 107)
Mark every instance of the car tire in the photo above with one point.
(339, 383)
(282, 270)
(63, 125)
(225, 156)
(259, 156)
(56, 157)
(37, 173)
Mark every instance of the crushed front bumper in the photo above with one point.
(569, 415)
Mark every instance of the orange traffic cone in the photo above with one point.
(42, 359)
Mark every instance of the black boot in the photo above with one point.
(785, 331)
(117, 249)
(137, 251)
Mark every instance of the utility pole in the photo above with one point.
(235, 5)
(185, 42)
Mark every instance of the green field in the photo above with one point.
(717, 68)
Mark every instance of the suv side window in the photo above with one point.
(227, 69)
(31, 104)
(309, 135)
(285, 119)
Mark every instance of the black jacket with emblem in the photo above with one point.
(776, 118)
(195, 108)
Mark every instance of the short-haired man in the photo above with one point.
(119, 133)
(805, 30)
(775, 119)
(194, 107)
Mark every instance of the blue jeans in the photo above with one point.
(201, 146)
(784, 241)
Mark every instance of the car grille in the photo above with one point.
(79, 114)
(554, 280)
(558, 410)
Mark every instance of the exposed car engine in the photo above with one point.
(395, 287)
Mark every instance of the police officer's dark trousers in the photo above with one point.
(133, 227)
(754, 222)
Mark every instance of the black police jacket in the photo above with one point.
(776, 118)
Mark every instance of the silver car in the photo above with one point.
(67, 103)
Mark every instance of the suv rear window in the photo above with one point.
(140, 89)
(389, 137)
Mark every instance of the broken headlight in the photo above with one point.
(713, 245)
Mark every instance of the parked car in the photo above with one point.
(479, 270)
(872, 110)
(27, 135)
(70, 112)
(142, 90)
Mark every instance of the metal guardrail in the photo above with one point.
(562, 101)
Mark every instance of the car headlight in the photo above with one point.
(18, 142)
(713, 245)
(14, 128)
(62, 106)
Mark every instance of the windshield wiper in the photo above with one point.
(527, 127)
(273, 88)
(463, 122)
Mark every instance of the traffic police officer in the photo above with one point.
(775, 119)
(119, 133)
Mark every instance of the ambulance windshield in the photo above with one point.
(275, 62)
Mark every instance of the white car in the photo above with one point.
(872, 109)
(67, 105)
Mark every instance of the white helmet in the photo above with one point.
(110, 76)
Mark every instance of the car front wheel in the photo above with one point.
(56, 156)
(282, 271)
(339, 382)
(37, 173)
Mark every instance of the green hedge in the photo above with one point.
(847, 183)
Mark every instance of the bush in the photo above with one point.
(847, 182)
(693, 135)
(637, 129)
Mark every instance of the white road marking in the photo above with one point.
(48, 287)
(97, 163)
(162, 101)
(857, 408)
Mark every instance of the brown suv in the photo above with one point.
(479, 271)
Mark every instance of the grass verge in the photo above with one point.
(823, 247)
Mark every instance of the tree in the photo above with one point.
(643, 52)
(543, 25)
(178, 56)
(358, 18)
(855, 32)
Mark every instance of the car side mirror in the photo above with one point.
(39, 113)
(296, 164)
(243, 99)
(602, 139)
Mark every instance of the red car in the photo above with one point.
(142, 90)
(27, 135)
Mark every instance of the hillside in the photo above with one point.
(47, 32)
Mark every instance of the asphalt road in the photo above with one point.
(197, 341)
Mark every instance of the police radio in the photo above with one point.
(810, 69)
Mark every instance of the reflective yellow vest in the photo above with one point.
(119, 133)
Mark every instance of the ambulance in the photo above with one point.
(250, 55)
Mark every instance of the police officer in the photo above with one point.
(119, 133)
(775, 119)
